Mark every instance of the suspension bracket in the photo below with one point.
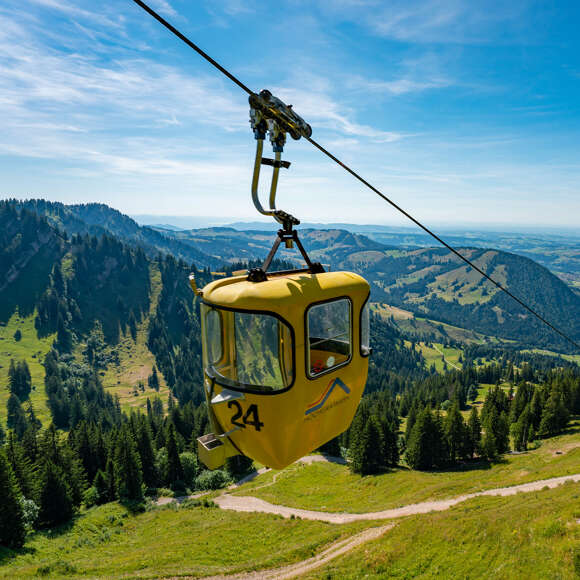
(269, 115)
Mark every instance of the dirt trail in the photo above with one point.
(253, 504)
(445, 359)
(300, 568)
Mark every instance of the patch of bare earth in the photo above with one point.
(299, 569)
(566, 448)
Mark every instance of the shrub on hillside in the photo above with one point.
(212, 479)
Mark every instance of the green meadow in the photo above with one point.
(29, 348)
(331, 487)
(108, 541)
(527, 536)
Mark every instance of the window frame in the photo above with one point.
(220, 332)
(243, 387)
(307, 338)
(366, 304)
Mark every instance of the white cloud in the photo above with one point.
(433, 21)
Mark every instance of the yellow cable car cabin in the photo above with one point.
(285, 363)
(285, 354)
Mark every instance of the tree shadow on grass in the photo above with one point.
(59, 530)
(572, 429)
(133, 506)
(6, 554)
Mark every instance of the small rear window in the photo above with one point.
(365, 330)
(329, 335)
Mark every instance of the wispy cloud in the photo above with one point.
(432, 21)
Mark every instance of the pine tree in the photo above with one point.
(33, 421)
(111, 481)
(502, 434)
(22, 467)
(474, 429)
(411, 418)
(554, 415)
(520, 430)
(153, 380)
(368, 453)
(425, 447)
(56, 504)
(355, 439)
(146, 454)
(497, 425)
(174, 467)
(128, 476)
(100, 484)
(16, 419)
(472, 393)
(488, 446)
(454, 428)
(12, 528)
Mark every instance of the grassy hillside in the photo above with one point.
(136, 360)
(109, 542)
(29, 348)
(331, 487)
(527, 536)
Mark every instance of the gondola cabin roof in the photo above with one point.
(282, 290)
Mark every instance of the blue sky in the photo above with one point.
(463, 112)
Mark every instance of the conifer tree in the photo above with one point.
(502, 433)
(12, 528)
(56, 504)
(19, 380)
(33, 421)
(146, 454)
(488, 446)
(536, 408)
(153, 380)
(22, 467)
(554, 415)
(128, 476)
(100, 484)
(16, 419)
(454, 427)
(367, 452)
(111, 481)
(355, 438)
(474, 429)
(411, 418)
(425, 446)
(520, 430)
(174, 467)
(472, 393)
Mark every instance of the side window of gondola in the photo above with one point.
(329, 335)
(213, 332)
(365, 330)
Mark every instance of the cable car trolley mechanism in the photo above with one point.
(285, 354)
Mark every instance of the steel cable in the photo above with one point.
(234, 79)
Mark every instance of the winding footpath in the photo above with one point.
(253, 504)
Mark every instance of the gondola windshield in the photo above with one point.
(247, 351)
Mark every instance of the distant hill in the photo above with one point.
(97, 219)
(428, 281)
